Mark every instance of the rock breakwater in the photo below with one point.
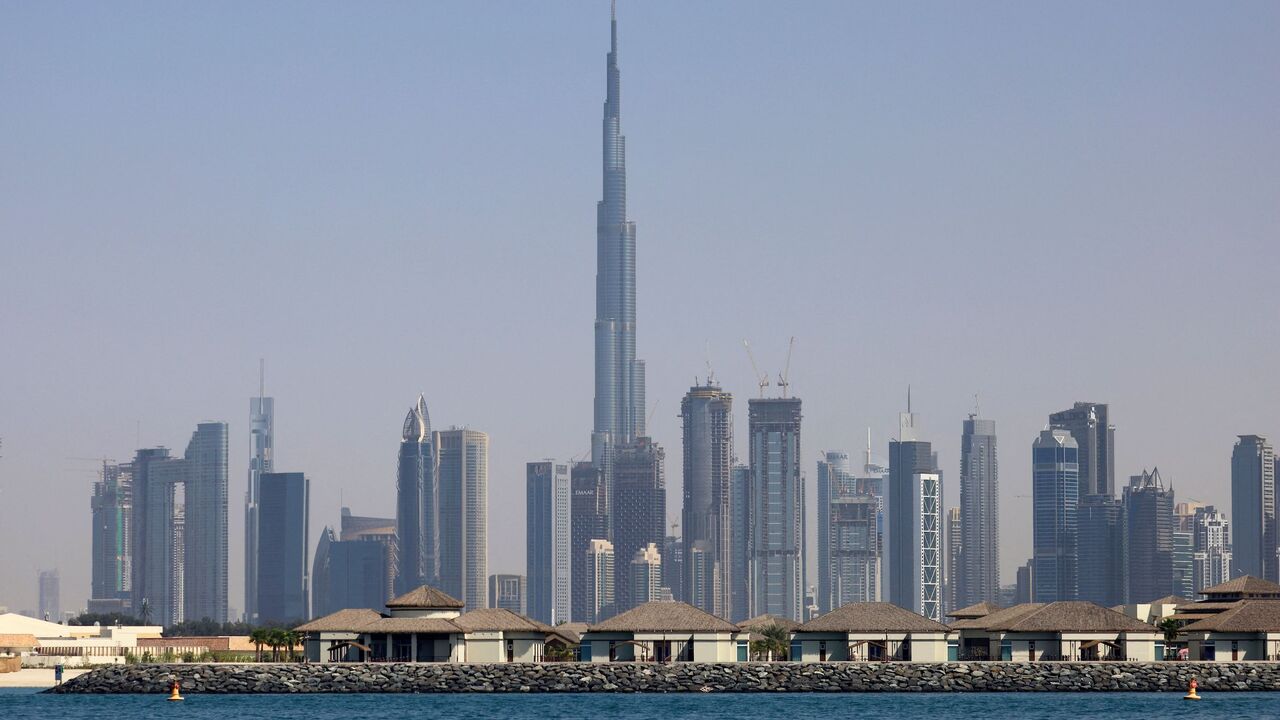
(677, 677)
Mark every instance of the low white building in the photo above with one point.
(663, 631)
(870, 631)
(1064, 630)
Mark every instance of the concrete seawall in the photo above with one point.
(679, 677)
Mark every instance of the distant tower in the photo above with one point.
(283, 567)
(1055, 533)
(1253, 508)
(417, 491)
(547, 540)
(262, 429)
(600, 559)
(639, 507)
(955, 549)
(1149, 541)
(977, 576)
(508, 592)
(740, 571)
(50, 602)
(463, 515)
(707, 419)
(646, 575)
(589, 520)
(913, 522)
(1211, 548)
(112, 510)
(777, 508)
(1088, 423)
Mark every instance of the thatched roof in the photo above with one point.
(1173, 600)
(664, 616)
(1061, 616)
(1244, 586)
(426, 598)
(977, 610)
(871, 617)
(571, 632)
(760, 622)
(351, 620)
(498, 619)
(1245, 617)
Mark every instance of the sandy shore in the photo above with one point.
(36, 677)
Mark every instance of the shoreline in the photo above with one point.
(950, 677)
(35, 678)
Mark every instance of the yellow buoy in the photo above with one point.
(173, 692)
(1191, 691)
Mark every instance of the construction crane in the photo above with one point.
(786, 369)
(762, 379)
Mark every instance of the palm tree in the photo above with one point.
(291, 639)
(259, 638)
(1171, 629)
(145, 611)
(776, 642)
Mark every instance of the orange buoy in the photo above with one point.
(173, 692)
(1191, 691)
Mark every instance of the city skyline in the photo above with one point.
(336, 409)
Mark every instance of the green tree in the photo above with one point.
(1171, 629)
(774, 644)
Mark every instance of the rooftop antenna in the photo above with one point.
(867, 462)
(711, 376)
(262, 377)
(908, 398)
(786, 369)
(977, 407)
(762, 379)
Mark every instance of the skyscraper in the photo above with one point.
(1055, 532)
(1095, 437)
(357, 568)
(673, 566)
(1100, 565)
(833, 477)
(645, 575)
(205, 548)
(262, 413)
(977, 574)
(284, 588)
(619, 376)
(1148, 542)
(600, 560)
(463, 515)
(50, 596)
(1253, 509)
(639, 508)
(589, 520)
(547, 540)
(417, 488)
(152, 511)
(112, 512)
(1211, 548)
(707, 418)
(913, 532)
(777, 508)
(740, 543)
(508, 592)
(955, 549)
(853, 555)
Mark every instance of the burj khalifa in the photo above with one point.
(619, 391)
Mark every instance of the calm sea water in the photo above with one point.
(22, 704)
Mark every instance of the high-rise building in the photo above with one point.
(463, 515)
(833, 478)
(639, 508)
(646, 575)
(112, 513)
(955, 548)
(1148, 538)
(977, 576)
(548, 497)
(417, 492)
(913, 522)
(205, 545)
(1100, 562)
(588, 520)
(151, 562)
(50, 592)
(777, 508)
(707, 419)
(508, 592)
(284, 503)
(1025, 590)
(673, 566)
(262, 413)
(321, 573)
(853, 555)
(1253, 509)
(1183, 564)
(1211, 548)
(740, 566)
(381, 531)
(1095, 437)
(1055, 502)
(352, 573)
(600, 560)
(619, 376)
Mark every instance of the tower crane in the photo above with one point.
(762, 379)
(786, 369)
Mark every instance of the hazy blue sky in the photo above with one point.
(1037, 202)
